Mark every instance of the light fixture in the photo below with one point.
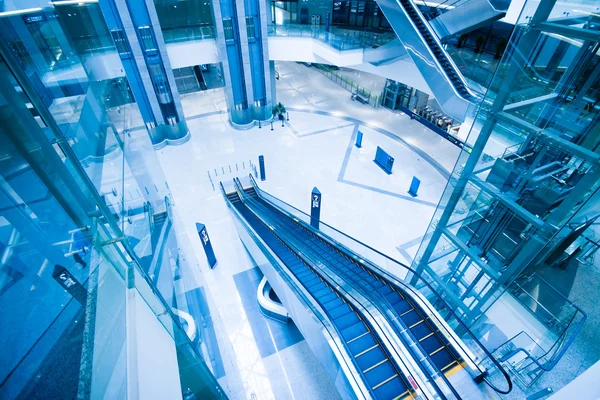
(72, 2)
(18, 12)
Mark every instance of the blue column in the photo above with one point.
(242, 40)
(137, 35)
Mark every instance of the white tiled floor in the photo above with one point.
(312, 150)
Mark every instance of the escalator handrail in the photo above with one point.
(315, 308)
(555, 358)
(259, 191)
(439, 44)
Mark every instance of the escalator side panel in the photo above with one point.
(468, 16)
(422, 55)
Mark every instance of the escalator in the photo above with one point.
(398, 341)
(439, 71)
(438, 51)
(392, 298)
(380, 373)
(464, 16)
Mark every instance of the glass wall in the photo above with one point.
(85, 217)
(185, 20)
(519, 205)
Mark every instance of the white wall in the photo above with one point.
(187, 54)
(291, 49)
(152, 358)
(584, 387)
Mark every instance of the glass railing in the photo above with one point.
(529, 358)
(421, 286)
(366, 95)
(555, 312)
(337, 38)
(186, 34)
(121, 191)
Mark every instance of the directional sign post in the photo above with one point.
(206, 244)
(261, 165)
(359, 136)
(414, 186)
(315, 208)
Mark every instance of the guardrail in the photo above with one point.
(348, 84)
(534, 359)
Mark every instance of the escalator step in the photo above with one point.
(325, 300)
(442, 358)
(346, 321)
(386, 290)
(378, 284)
(431, 344)
(353, 331)
(376, 372)
(393, 298)
(362, 344)
(339, 312)
(420, 331)
(322, 292)
(315, 287)
(402, 307)
(411, 318)
(370, 358)
(333, 304)
(310, 280)
(391, 389)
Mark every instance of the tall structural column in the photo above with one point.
(242, 41)
(136, 31)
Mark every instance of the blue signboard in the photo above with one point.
(69, 283)
(315, 208)
(384, 160)
(261, 165)
(206, 244)
(414, 186)
(359, 136)
(33, 18)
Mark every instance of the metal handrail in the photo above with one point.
(561, 339)
(554, 358)
(429, 286)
